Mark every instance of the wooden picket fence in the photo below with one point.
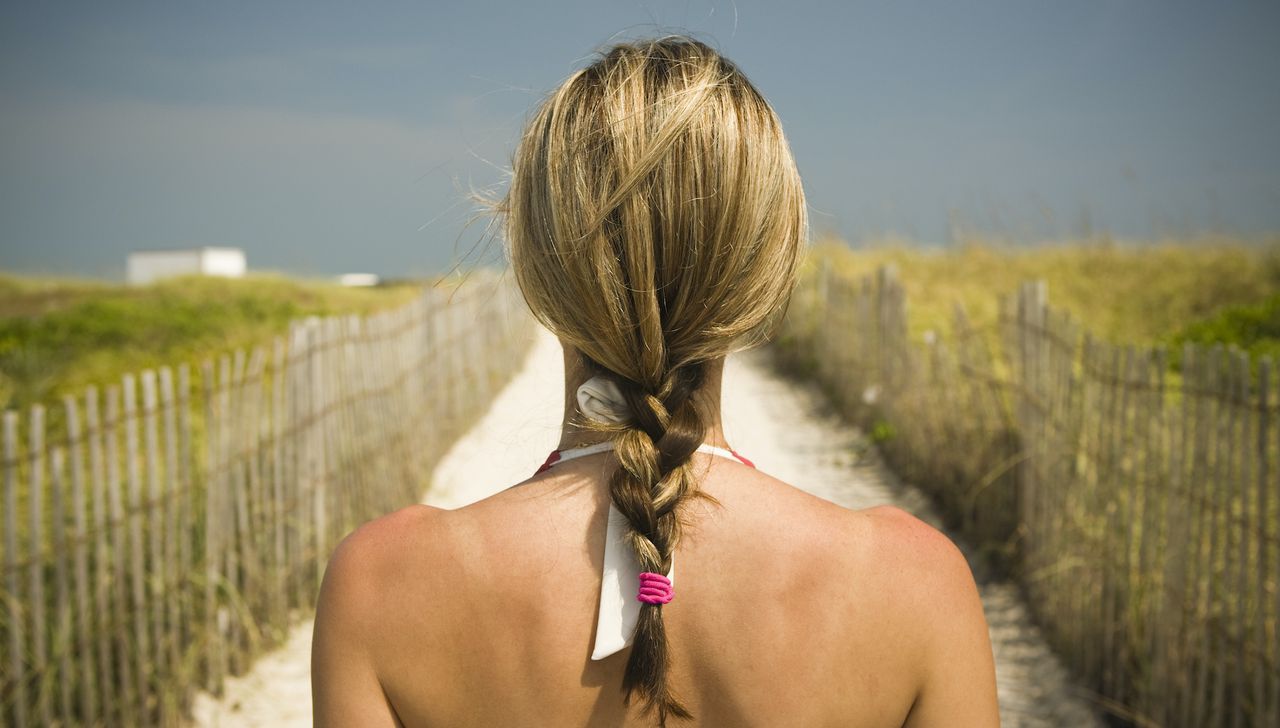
(173, 526)
(1138, 503)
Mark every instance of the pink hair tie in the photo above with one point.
(654, 588)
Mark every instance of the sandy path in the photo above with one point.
(783, 427)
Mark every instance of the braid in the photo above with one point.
(648, 488)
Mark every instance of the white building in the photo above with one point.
(359, 280)
(146, 266)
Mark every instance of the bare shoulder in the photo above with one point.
(380, 541)
(915, 572)
(904, 547)
(371, 559)
(357, 601)
(911, 576)
(916, 546)
(920, 562)
(938, 601)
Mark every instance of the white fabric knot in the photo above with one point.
(600, 399)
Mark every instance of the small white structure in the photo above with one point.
(359, 280)
(147, 266)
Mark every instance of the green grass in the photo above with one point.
(58, 336)
(1126, 293)
(1254, 328)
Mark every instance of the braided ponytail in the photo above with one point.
(655, 221)
(652, 480)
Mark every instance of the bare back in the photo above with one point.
(789, 611)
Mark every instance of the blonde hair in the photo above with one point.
(655, 221)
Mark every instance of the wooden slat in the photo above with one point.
(1092, 514)
(279, 567)
(1240, 660)
(1107, 554)
(1057, 365)
(187, 508)
(137, 553)
(102, 561)
(1158, 551)
(126, 650)
(1143, 583)
(1269, 541)
(38, 552)
(295, 462)
(170, 589)
(1173, 510)
(1219, 565)
(84, 643)
(256, 587)
(215, 653)
(18, 673)
(1269, 445)
(316, 456)
(1200, 512)
(153, 526)
(1250, 596)
(1079, 599)
(1120, 530)
(232, 506)
(1188, 456)
(63, 638)
(187, 515)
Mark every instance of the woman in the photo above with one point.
(655, 219)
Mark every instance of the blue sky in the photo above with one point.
(325, 137)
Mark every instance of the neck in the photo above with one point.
(571, 436)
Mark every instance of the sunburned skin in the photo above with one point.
(789, 610)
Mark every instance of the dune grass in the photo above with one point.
(59, 335)
(1142, 293)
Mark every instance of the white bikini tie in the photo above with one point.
(600, 399)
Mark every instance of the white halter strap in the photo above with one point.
(619, 608)
(600, 447)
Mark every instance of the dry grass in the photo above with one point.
(1125, 292)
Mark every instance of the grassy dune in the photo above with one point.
(57, 336)
(1207, 289)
